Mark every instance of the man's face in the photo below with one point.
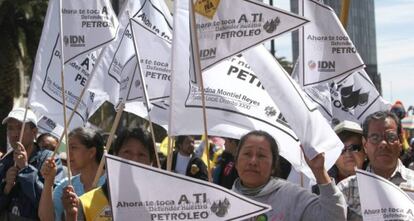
(13, 133)
(187, 147)
(382, 144)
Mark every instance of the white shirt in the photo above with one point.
(181, 164)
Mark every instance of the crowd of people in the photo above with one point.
(34, 183)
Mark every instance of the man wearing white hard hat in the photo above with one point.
(21, 182)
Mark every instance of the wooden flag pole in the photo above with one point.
(99, 172)
(145, 92)
(62, 78)
(197, 66)
(345, 12)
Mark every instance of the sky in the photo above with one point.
(395, 47)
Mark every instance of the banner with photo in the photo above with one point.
(325, 50)
(352, 98)
(119, 61)
(171, 196)
(382, 200)
(87, 26)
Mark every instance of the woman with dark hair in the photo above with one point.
(86, 147)
(132, 144)
(256, 158)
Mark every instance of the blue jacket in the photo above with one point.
(23, 199)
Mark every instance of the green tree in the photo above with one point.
(21, 24)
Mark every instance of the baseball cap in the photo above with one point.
(18, 114)
(347, 125)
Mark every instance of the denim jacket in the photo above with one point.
(23, 199)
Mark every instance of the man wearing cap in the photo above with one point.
(21, 182)
(381, 139)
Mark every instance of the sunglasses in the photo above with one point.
(353, 148)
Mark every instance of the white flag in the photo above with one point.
(301, 113)
(236, 102)
(382, 200)
(47, 125)
(155, 55)
(225, 28)
(119, 59)
(325, 50)
(153, 194)
(87, 26)
(352, 98)
(228, 27)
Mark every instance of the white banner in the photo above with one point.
(352, 98)
(382, 200)
(325, 50)
(47, 125)
(314, 132)
(155, 55)
(228, 27)
(153, 194)
(236, 102)
(119, 58)
(87, 25)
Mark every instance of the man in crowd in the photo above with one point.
(382, 144)
(47, 141)
(21, 182)
(184, 160)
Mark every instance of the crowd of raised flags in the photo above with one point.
(202, 71)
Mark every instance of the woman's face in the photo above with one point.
(352, 156)
(80, 155)
(254, 162)
(134, 150)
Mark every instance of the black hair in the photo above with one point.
(138, 133)
(381, 115)
(44, 135)
(273, 146)
(91, 139)
(180, 140)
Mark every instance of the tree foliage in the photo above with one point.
(21, 24)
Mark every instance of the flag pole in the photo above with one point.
(345, 12)
(145, 92)
(62, 78)
(118, 115)
(80, 98)
(197, 67)
(170, 120)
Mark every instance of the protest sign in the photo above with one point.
(325, 50)
(382, 200)
(154, 52)
(314, 132)
(226, 28)
(352, 98)
(119, 59)
(154, 194)
(47, 125)
(87, 26)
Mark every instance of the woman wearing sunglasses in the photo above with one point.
(352, 155)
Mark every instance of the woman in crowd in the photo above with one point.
(257, 154)
(86, 149)
(133, 144)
